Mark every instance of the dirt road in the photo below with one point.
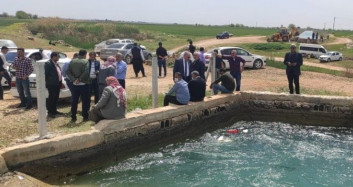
(326, 66)
(212, 42)
(340, 41)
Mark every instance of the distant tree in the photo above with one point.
(22, 15)
(231, 25)
(35, 16)
(5, 15)
(291, 26)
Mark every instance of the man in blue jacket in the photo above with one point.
(293, 61)
(181, 91)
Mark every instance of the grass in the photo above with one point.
(4, 22)
(280, 65)
(142, 102)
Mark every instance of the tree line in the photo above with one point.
(20, 15)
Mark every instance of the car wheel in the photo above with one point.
(328, 60)
(257, 64)
(340, 59)
(128, 59)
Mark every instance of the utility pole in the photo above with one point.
(334, 20)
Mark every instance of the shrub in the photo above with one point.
(269, 46)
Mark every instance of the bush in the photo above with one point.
(81, 34)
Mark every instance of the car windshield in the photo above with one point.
(10, 56)
(111, 42)
(116, 46)
(7, 43)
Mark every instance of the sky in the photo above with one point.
(262, 13)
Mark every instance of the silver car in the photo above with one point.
(331, 56)
(251, 60)
(106, 43)
(113, 49)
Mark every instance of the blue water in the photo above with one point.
(268, 154)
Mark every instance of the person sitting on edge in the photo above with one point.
(112, 104)
(227, 83)
(181, 90)
(197, 87)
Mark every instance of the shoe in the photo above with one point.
(29, 107)
(85, 119)
(21, 106)
(144, 76)
(51, 115)
(58, 113)
(73, 119)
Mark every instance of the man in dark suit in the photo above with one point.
(198, 65)
(94, 67)
(182, 66)
(293, 61)
(197, 87)
(53, 81)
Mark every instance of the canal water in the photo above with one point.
(259, 154)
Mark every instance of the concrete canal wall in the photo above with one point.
(111, 140)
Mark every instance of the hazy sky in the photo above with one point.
(313, 13)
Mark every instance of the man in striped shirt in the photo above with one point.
(24, 68)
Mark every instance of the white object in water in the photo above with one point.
(223, 139)
(245, 131)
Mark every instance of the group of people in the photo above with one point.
(107, 81)
(84, 76)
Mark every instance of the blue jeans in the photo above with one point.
(23, 88)
(160, 64)
(237, 76)
(218, 87)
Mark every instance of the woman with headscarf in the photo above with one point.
(107, 69)
(112, 104)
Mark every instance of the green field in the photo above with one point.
(4, 22)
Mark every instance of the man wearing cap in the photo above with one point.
(293, 61)
(197, 87)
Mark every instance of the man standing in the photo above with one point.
(192, 48)
(53, 81)
(3, 70)
(182, 66)
(162, 57)
(293, 61)
(227, 83)
(24, 68)
(219, 63)
(181, 91)
(202, 56)
(137, 60)
(94, 67)
(197, 87)
(198, 65)
(236, 66)
(78, 72)
(121, 68)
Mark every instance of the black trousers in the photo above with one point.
(8, 79)
(83, 92)
(138, 66)
(122, 82)
(292, 77)
(171, 99)
(94, 88)
(52, 101)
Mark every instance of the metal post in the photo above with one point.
(41, 97)
(209, 68)
(154, 83)
(213, 66)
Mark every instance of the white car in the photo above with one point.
(8, 43)
(252, 60)
(34, 55)
(106, 43)
(331, 56)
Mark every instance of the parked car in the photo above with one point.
(8, 43)
(106, 43)
(123, 49)
(331, 56)
(313, 50)
(252, 60)
(223, 35)
(37, 57)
